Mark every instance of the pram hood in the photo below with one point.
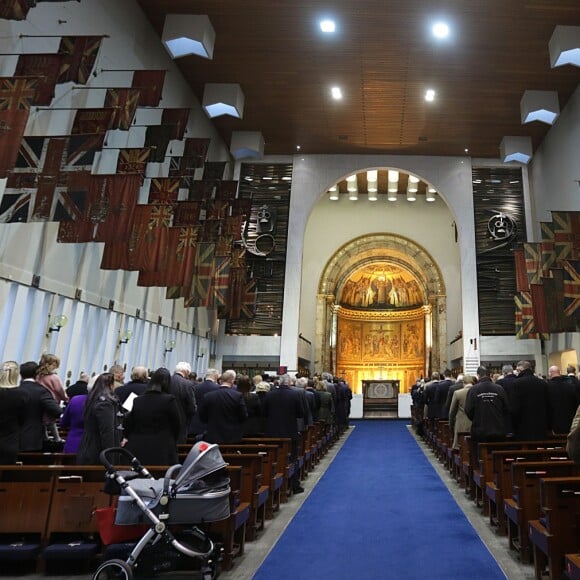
(202, 460)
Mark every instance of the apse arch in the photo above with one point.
(380, 248)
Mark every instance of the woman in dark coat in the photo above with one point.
(253, 425)
(13, 403)
(154, 423)
(102, 417)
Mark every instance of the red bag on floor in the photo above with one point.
(113, 534)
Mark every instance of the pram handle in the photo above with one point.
(135, 464)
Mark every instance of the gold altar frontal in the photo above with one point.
(381, 343)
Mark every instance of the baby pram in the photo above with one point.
(189, 494)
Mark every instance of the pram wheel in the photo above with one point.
(114, 570)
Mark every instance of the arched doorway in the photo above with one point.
(380, 311)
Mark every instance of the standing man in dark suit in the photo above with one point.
(184, 391)
(282, 410)
(224, 411)
(41, 404)
(138, 384)
(80, 387)
(529, 405)
(196, 426)
(562, 400)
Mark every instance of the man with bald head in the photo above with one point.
(562, 400)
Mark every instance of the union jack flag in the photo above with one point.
(124, 102)
(15, 9)
(45, 69)
(17, 92)
(564, 232)
(524, 316)
(164, 190)
(79, 54)
(133, 160)
(201, 290)
(572, 288)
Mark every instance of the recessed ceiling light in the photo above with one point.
(336, 93)
(440, 30)
(327, 26)
(430, 95)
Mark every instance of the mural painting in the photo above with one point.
(381, 286)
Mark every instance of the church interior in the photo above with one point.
(380, 191)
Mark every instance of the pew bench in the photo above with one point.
(254, 491)
(558, 533)
(524, 505)
(271, 475)
(501, 486)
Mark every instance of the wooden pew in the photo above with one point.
(482, 473)
(559, 533)
(573, 566)
(501, 486)
(285, 465)
(46, 458)
(232, 531)
(25, 498)
(72, 529)
(253, 491)
(270, 472)
(524, 505)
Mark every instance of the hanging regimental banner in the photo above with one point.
(500, 226)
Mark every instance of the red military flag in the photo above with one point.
(554, 300)
(12, 126)
(79, 54)
(92, 121)
(522, 283)
(539, 311)
(149, 83)
(148, 240)
(45, 69)
(124, 102)
(187, 213)
(114, 206)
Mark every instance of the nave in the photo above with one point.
(377, 506)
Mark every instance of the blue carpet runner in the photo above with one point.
(380, 512)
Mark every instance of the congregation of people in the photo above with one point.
(516, 403)
(154, 412)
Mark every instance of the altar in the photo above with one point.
(380, 395)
